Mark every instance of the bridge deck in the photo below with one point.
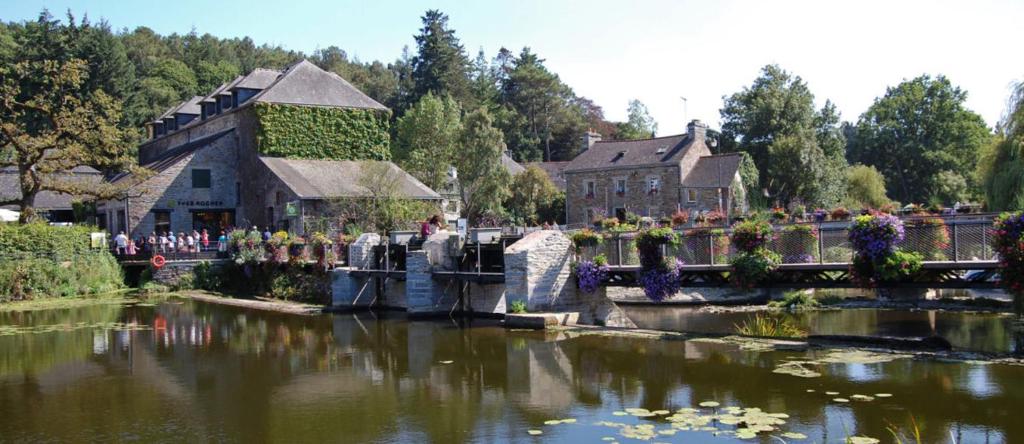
(835, 266)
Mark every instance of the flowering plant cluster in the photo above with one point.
(876, 236)
(323, 250)
(778, 214)
(749, 269)
(662, 281)
(648, 245)
(680, 218)
(590, 274)
(1008, 242)
(876, 257)
(586, 238)
(750, 236)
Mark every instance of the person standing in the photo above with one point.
(172, 242)
(190, 243)
(163, 242)
(205, 237)
(222, 242)
(266, 234)
(151, 243)
(120, 243)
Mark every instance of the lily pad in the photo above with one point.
(831, 393)
(794, 435)
(534, 432)
(619, 413)
(841, 400)
(861, 440)
(860, 357)
(810, 390)
(862, 398)
(552, 422)
(883, 395)
(709, 404)
(447, 362)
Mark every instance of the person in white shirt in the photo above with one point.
(121, 243)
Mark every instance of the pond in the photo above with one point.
(180, 370)
(969, 331)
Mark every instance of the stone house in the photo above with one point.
(260, 150)
(53, 206)
(651, 177)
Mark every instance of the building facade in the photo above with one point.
(262, 150)
(651, 177)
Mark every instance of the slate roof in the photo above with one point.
(555, 171)
(306, 84)
(46, 200)
(172, 156)
(216, 92)
(713, 171)
(631, 153)
(322, 179)
(511, 165)
(190, 106)
(259, 78)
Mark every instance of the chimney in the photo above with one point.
(590, 138)
(696, 130)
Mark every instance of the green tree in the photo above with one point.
(639, 123)
(210, 75)
(532, 193)
(539, 98)
(440, 65)
(775, 122)
(427, 139)
(1001, 168)
(49, 129)
(917, 130)
(865, 187)
(483, 181)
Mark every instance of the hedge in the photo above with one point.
(307, 132)
(40, 239)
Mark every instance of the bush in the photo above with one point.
(750, 236)
(876, 257)
(205, 277)
(83, 274)
(796, 300)
(40, 239)
(750, 269)
(1008, 242)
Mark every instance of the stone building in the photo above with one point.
(53, 206)
(651, 177)
(265, 149)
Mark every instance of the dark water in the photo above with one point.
(983, 332)
(191, 372)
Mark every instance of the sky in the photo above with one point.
(657, 51)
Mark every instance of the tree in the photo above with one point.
(775, 116)
(47, 130)
(538, 96)
(483, 181)
(440, 65)
(1001, 168)
(427, 138)
(865, 187)
(532, 193)
(639, 124)
(917, 130)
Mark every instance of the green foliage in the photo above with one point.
(205, 277)
(751, 235)
(920, 136)
(40, 239)
(586, 238)
(898, 266)
(554, 210)
(40, 277)
(796, 300)
(383, 209)
(865, 187)
(1001, 168)
(753, 268)
(800, 149)
(427, 138)
(483, 181)
(341, 133)
(517, 307)
(639, 124)
(767, 326)
(532, 190)
(440, 66)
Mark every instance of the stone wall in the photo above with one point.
(197, 129)
(538, 272)
(636, 199)
(348, 290)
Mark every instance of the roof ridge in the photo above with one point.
(724, 154)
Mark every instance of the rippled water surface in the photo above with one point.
(188, 371)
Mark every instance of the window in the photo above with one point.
(653, 184)
(620, 186)
(161, 221)
(691, 196)
(589, 188)
(200, 178)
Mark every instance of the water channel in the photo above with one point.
(185, 371)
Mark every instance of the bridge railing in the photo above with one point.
(936, 239)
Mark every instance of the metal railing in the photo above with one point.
(936, 239)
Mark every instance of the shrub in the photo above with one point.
(40, 239)
(38, 277)
(750, 269)
(796, 300)
(770, 327)
(1008, 242)
(586, 238)
(205, 277)
(517, 307)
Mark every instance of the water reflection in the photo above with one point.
(985, 332)
(201, 373)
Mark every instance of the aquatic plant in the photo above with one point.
(796, 300)
(517, 307)
(1008, 242)
(769, 326)
(590, 274)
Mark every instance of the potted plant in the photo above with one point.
(778, 215)
(680, 218)
(840, 213)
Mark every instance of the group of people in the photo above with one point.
(167, 242)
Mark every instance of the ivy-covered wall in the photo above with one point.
(309, 132)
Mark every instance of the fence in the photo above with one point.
(936, 239)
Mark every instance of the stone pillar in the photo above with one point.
(423, 294)
(349, 291)
(360, 252)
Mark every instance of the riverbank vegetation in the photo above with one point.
(41, 261)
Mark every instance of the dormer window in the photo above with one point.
(662, 150)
